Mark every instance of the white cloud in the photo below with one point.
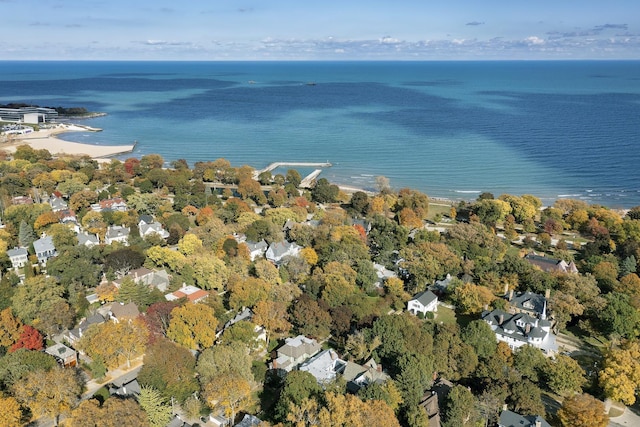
(533, 40)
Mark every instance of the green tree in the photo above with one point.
(14, 367)
(619, 316)
(565, 376)
(158, 412)
(479, 335)
(298, 386)
(25, 234)
(530, 362)
(222, 359)
(526, 398)
(460, 408)
(170, 369)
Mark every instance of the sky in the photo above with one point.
(313, 30)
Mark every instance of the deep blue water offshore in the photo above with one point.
(450, 129)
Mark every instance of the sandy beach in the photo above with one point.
(46, 139)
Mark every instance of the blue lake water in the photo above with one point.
(450, 129)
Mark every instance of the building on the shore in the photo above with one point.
(31, 115)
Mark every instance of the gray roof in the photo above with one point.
(298, 346)
(425, 298)
(117, 231)
(84, 239)
(44, 244)
(17, 252)
(528, 301)
(249, 421)
(512, 419)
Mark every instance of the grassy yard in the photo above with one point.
(445, 315)
(439, 208)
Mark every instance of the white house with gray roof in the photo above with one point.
(324, 366)
(422, 303)
(521, 329)
(117, 233)
(19, 257)
(278, 251)
(44, 249)
(148, 225)
(512, 419)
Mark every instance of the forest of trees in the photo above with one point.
(329, 292)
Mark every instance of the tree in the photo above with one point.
(123, 260)
(115, 343)
(170, 369)
(158, 412)
(17, 365)
(348, 410)
(273, 316)
(247, 292)
(460, 408)
(479, 335)
(223, 359)
(158, 317)
(25, 234)
(298, 386)
(620, 374)
(526, 398)
(310, 319)
(114, 412)
(30, 339)
(530, 362)
(470, 298)
(428, 261)
(193, 326)
(229, 390)
(582, 410)
(324, 191)
(10, 328)
(36, 294)
(49, 394)
(619, 316)
(10, 413)
(565, 376)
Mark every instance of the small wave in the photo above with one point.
(569, 195)
(467, 191)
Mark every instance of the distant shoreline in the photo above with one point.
(47, 139)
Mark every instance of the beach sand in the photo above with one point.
(46, 139)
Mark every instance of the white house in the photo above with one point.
(257, 250)
(521, 329)
(117, 233)
(422, 303)
(324, 366)
(295, 351)
(278, 251)
(18, 256)
(148, 226)
(44, 249)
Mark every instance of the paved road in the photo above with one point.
(629, 418)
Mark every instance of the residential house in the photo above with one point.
(249, 421)
(123, 312)
(126, 385)
(551, 265)
(527, 302)
(383, 274)
(75, 334)
(68, 216)
(86, 239)
(257, 249)
(294, 352)
(176, 421)
(359, 376)
(192, 293)
(245, 314)
(147, 225)
(22, 200)
(117, 233)
(278, 251)
(57, 204)
(433, 398)
(366, 225)
(442, 285)
(65, 356)
(19, 257)
(512, 419)
(44, 249)
(154, 279)
(521, 329)
(114, 204)
(324, 366)
(422, 303)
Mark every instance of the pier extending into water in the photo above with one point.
(276, 165)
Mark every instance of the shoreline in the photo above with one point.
(48, 139)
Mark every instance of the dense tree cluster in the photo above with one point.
(331, 291)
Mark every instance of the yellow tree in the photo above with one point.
(49, 394)
(230, 391)
(309, 255)
(620, 376)
(115, 343)
(472, 298)
(10, 328)
(246, 292)
(273, 316)
(349, 410)
(209, 271)
(193, 326)
(583, 410)
(189, 244)
(10, 413)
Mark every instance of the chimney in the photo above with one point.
(527, 328)
(379, 368)
(547, 293)
(510, 294)
(506, 289)
(501, 319)
(538, 422)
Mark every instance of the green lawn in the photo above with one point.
(445, 315)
